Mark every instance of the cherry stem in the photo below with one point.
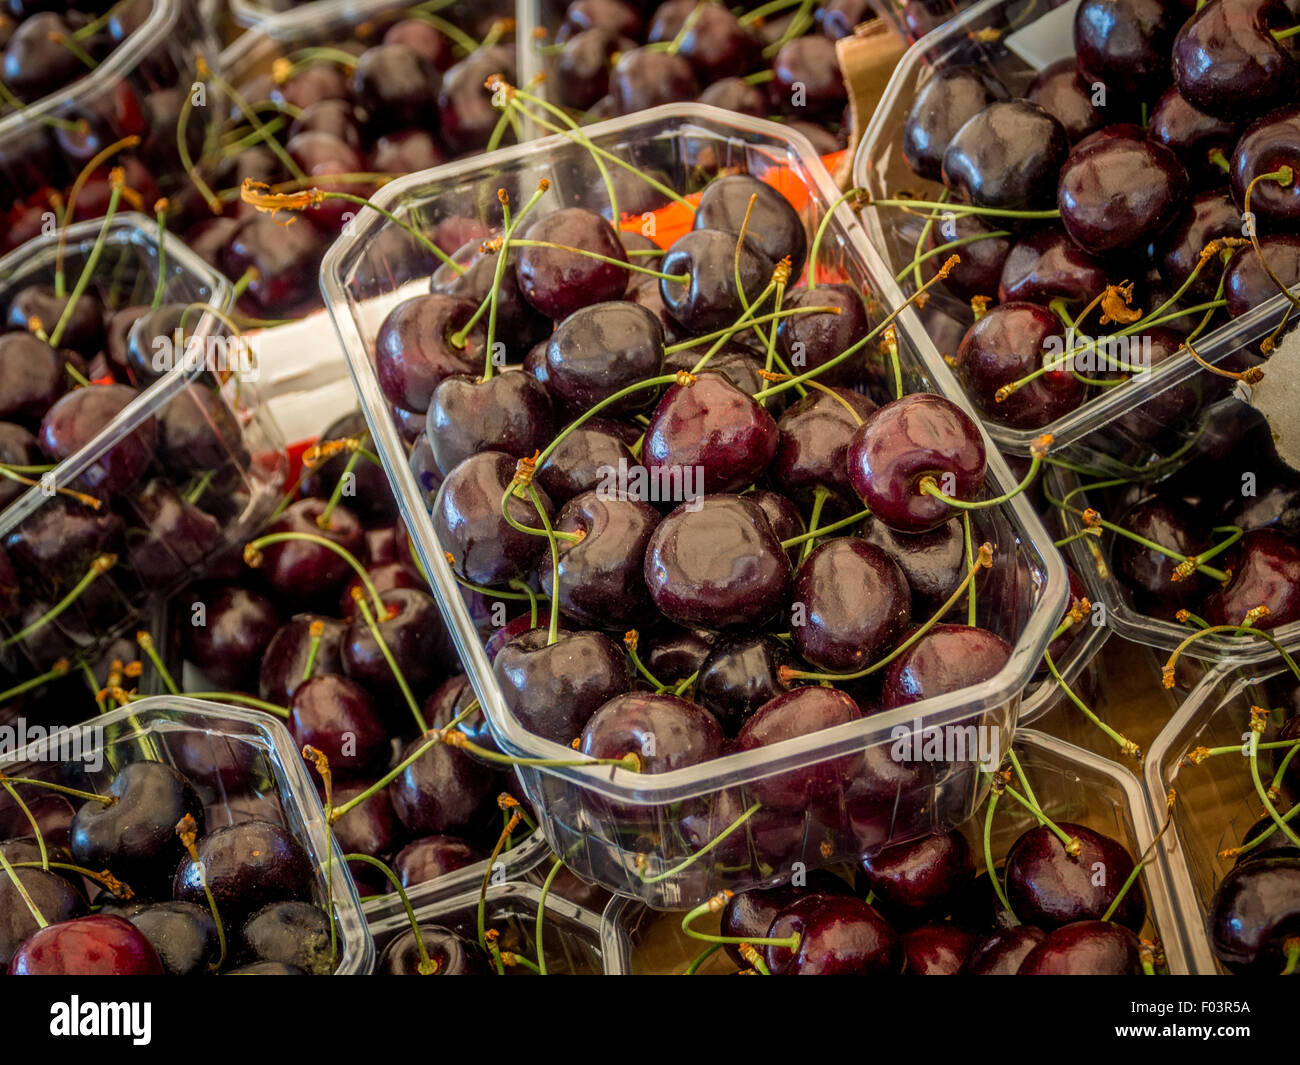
(694, 968)
(758, 14)
(985, 560)
(746, 317)
(594, 409)
(814, 251)
(187, 831)
(37, 916)
(686, 682)
(145, 640)
(928, 486)
(688, 24)
(250, 113)
(1256, 725)
(541, 915)
(92, 260)
(924, 235)
(941, 249)
(160, 219)
(315, 634)
(1289, 816)
(1282, 35)
(455, 738)
(796, 27)
(820, 495)
(1284, 176)
(1141, 863)
(104, 879)
(514, 523)
(253, 557)
(762, 319)
(1072, 845)
(459, 37)
(72, 46)
(994, 879)
(826, 530)
(59, 669)
(714, 905)
(680, 279)
(630, 640)
(1123, 742)
(494, 593)
(770, 354)
(1020, 775)
(1243, 629)
(427, 966)
(62, 789)
(714, 842)
(532, 600)
(1291, 947)
(968, 546)
(552, 539)
(1286, 761)
(434, 738)
(735, 255)
(1217, 158)
(31, 820)
(481, 915)
(98, 568)
(240, 697)
(960, 208)
(384, 649)
(1091, 518)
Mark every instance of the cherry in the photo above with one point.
(466, 117)
(1063, 92)
(468, 520)
(1006, 344)
(1045, 265)
(313, 81)
(431, 857)
(710, 300)
(554, 688)
(1246, 285)
(1120, 192)
(916, 437)
(1276, 845)
(286, 259)
(583, 65)
(602, 580)
(17, 448)
(1191, 133)
(337, 118)
(717, 564)
(672, 654)
(1172, 525)
(665, 732)
(305, 572)
(714, 428)
(1209, 216)
(559, 282)
(1007, 156)
(1085, 948)
(54, 896)
(404, 151)
(933, 562)
(813, 446)
(423, 38)
(644, 78)
(937, 949)
(368, 828)
(601, 349)
(1253, 912)
(78, 418)
(519, 324)
(806, 77)
(289, 933)
(736, 94)
(236, 625)
(740, 673)
(337, 716)
(838, 935)
(510, 412)
(246, 866)
(782, 515)
(417, 346)
(1048, 887)
(445, 789)
(716, 44)
(775, 230)
(946, 659)
(1125, 43)
(1003, 952)
(795, 713)
(612, 15)
(32, 378)
(395, 84)
(451, 954)
(808, 341)
(1266, 572)
(288, 652)
(412, 629)
(1225, 61)
(183, 934)
(95, 945)
(953, 96)
(1268, 143)
(34, 64)
(582, 459)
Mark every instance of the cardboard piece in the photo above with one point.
(867, 60)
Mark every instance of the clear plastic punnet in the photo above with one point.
(234, 464)
(571, 934)
(238, 760)
(1217, 801)
(613, 827)
(1118, 431)
(1070, 784)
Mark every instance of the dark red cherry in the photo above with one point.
(337, 717)
(740, 674)
(672, 653)
(553, 689)
(1002, 953)
(1209, 216)
(851, 604)
(1226, 62)
(709, 299)
(32, 377)
(508, 412)
(1085, 948)
(838, 935)
(1268, 143)
(782, 515)
(519, 324)
(601, 349)
(450, 954)
(367, 494)
(933, 562)
(980, 268)
(584, 63)
(286, 258)
(416, 347)
(736, 94)
(602, 576)
(416, 637)
(288, 652)
(84, 329)
(1246, 285)
(1265, 572)
(246, 866)
(396, 85)
(1125, 43)
(716, 43)
(1064, 93)
(946, 659)
(921, 435)
(557, 282)
(1045, 265)
(423, 38)
(613, 15)
(583, 459)
(304, 572)
(78, 418)
(176, 537)
(925, 876)
(953, 96)
(716, 563)
(466, 117)
(1009, 342)
(1007, 156)
(1049, 887)
(431, 857)
(663, 731)
(1173, 525)
(813, 446)
(807, 79)
(937, 949)
(712, 431)
(775, 230)
(1191, 133)
(644, 78)
(443, 790)
(97, 945)
(792, 714)
(313, 81)
(1253, 912)
(467, 516)
(404, 151)
(17, 448)
(807, 341)
(226, 638)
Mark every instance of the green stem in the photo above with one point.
(253, 549)
(88, 269)
(826, 530)
(541, 915)
(426, 967)
(100, 566)
(396, 670)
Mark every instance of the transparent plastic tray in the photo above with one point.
(1044, 695)
(164, 728)
(158, 54)
(571, 934)
(1070, 784)
(578, 804)
(1108, 590)
(127, 273)
(286, 19)
(1107, 432)
(1217, 803)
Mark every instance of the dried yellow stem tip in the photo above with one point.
(630, 639)
(103, 564)
(685, 378)
(718, 901)
(316, 629)
(1091, 517)
(985, 555)
(950, 264)
(1167, 675)
(781, 274)
(133, 669)
(980, 305)
(1254, 614)
(451, 559)
(1041, 445)
(252, 555)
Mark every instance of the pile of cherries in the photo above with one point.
(615, 57)
(1090, 197)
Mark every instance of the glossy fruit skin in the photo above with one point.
(443, 790)
(709, 300)
(838, 936)
(370, 828)
(1085, 948)
(415, 634)
(942, 106)
(285, 658)
(136, 836)
(558, 283)
(933, 563)
(414, 351)
(740, 674)
(248, 865)
(1002, 953)
(56, 898)
(1063, 92)
(1253, 911)
(718, 565)
(924, 876)
(553, 689)
(467, 518)
(1245, 283)
(452, 955)
(1009, 342)
(937, 949)
(1007, 156)
(602, 577)
(713, 428)
(509, 412)
(430, 857)
(1173, 525)
(466, 116)
(945, 659)
(79, 416)
(775, 230)
(813, 447)
(1226, 63)
(1210, 215)
(798, 713)
(920, 435)
(856, 605)
(337, 717)
(305, 573)
(1125, 43)
(1267, 572)
(96, 945)
(581, 461)
(1191, 133)
(601, 349)
(396, 85)
(684, 734)
(736, 94)
(1268, 143)
(31, 378)
(1120, 192)
(1046, 264)
(1049, 888)
(807, 341)
(644, 78)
